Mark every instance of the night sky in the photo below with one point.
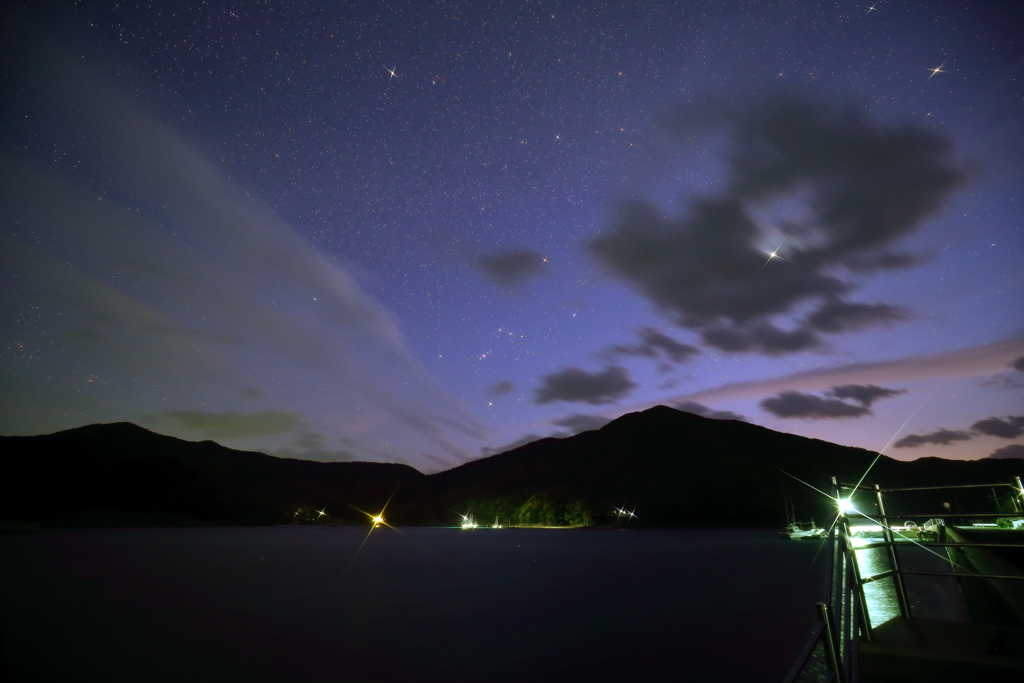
(423, 232)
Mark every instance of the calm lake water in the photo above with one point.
(299, 604)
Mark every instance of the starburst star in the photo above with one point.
(937, 70)
(772, 255)
(391, 71)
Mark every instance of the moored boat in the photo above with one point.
(799, 530)
(796, 531)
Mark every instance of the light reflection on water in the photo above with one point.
(932, 597)
(880, 595)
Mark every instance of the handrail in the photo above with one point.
(825, 632)
(806, 652)
(939, 515)
(844, 620)
(909, 541)
(963, 575)
(943, 488)
(864, 487)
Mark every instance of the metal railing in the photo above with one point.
(844, 620)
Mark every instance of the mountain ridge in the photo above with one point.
(671, 467)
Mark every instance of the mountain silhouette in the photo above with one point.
(666, 467)
(123, 474)
(671, 467)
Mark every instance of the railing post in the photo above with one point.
(829, 642)
(862, 603)
(897, 576)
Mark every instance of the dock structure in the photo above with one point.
(936, 597)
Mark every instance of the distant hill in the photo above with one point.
(667, 466)
(676, 468)
(123, 474)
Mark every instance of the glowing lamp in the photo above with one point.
(379, 519)
(846, 506)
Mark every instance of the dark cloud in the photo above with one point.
(864, 394)
(863, 185)
(810, 407)
(941, 437)
(704, 411)
(501, 388)
(654, 344)
(511, 268)
(845, 316)
(574, 384)
(1008, 380)
(1010, 428)
(1015, 450)
(762, 337)
(579, 422)
(1004, 380)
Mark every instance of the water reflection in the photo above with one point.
(880, 595)
(933, 597)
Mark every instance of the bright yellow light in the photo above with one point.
(379, 519)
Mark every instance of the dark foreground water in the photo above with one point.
(298, 604)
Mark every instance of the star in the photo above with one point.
(937, 70)
(391, 71)
(772, 255)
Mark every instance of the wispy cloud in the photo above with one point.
(501, 388)
(973, 362)
(655, 345)
(230, 424)
(865, 394)
(180, 296)
(521, 441)
(512, 267)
